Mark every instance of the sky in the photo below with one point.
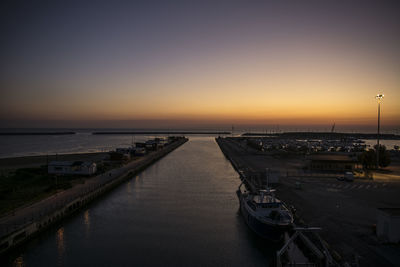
(193, 63)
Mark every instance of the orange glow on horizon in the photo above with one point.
(238, 63)
(315, 85)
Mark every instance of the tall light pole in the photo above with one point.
(379, 98)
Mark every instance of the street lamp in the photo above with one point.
(379, 98)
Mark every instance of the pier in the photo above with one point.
(345, 211)
(325, 135)
(26, 222)
(162, 132)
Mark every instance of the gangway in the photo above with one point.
(316, 247)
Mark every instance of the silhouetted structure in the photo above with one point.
(326, 162)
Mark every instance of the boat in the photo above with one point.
(264, 214)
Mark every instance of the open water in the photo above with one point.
(181, 211)
(82, 142)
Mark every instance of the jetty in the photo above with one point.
(26, 222)
(161, 132)
(325, 135)
(37, 133)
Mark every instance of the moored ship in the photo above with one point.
(266, 215)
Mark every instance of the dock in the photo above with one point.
(346, 212)
(325, 135)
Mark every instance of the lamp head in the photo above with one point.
(379, 97)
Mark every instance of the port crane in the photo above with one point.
(333, 128)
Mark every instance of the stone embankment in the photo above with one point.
(26, 222)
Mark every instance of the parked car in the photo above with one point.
(349, 176)
(340, 178)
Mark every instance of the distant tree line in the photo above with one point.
(368, 157)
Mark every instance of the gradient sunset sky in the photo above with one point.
(228, 62)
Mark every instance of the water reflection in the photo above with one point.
(129, 187)
(86, 222)
(137, 183)
(60, 246)
(19, 262)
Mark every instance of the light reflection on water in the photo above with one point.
(86, 222)
(19, 262)
(182, 210)
(60, 246)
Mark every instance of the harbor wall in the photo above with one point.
(250, 184)
(241, 166)
(17, 234)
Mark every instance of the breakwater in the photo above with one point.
(326, 135)
(37, 133)
(26, 223)
(252, 182)
(162, 132)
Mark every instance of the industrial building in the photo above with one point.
(332, 162)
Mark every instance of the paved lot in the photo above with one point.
(346, 211)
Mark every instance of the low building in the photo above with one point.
(140, 144)
(332, 162)
(140, 151)
(388, 224)
(151, 145)
(119, 156)
(72, 168)
(123, 150)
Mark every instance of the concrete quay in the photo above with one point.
(346, 211)
(26, 222)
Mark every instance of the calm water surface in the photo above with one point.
(181, 211)
(82, 142)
